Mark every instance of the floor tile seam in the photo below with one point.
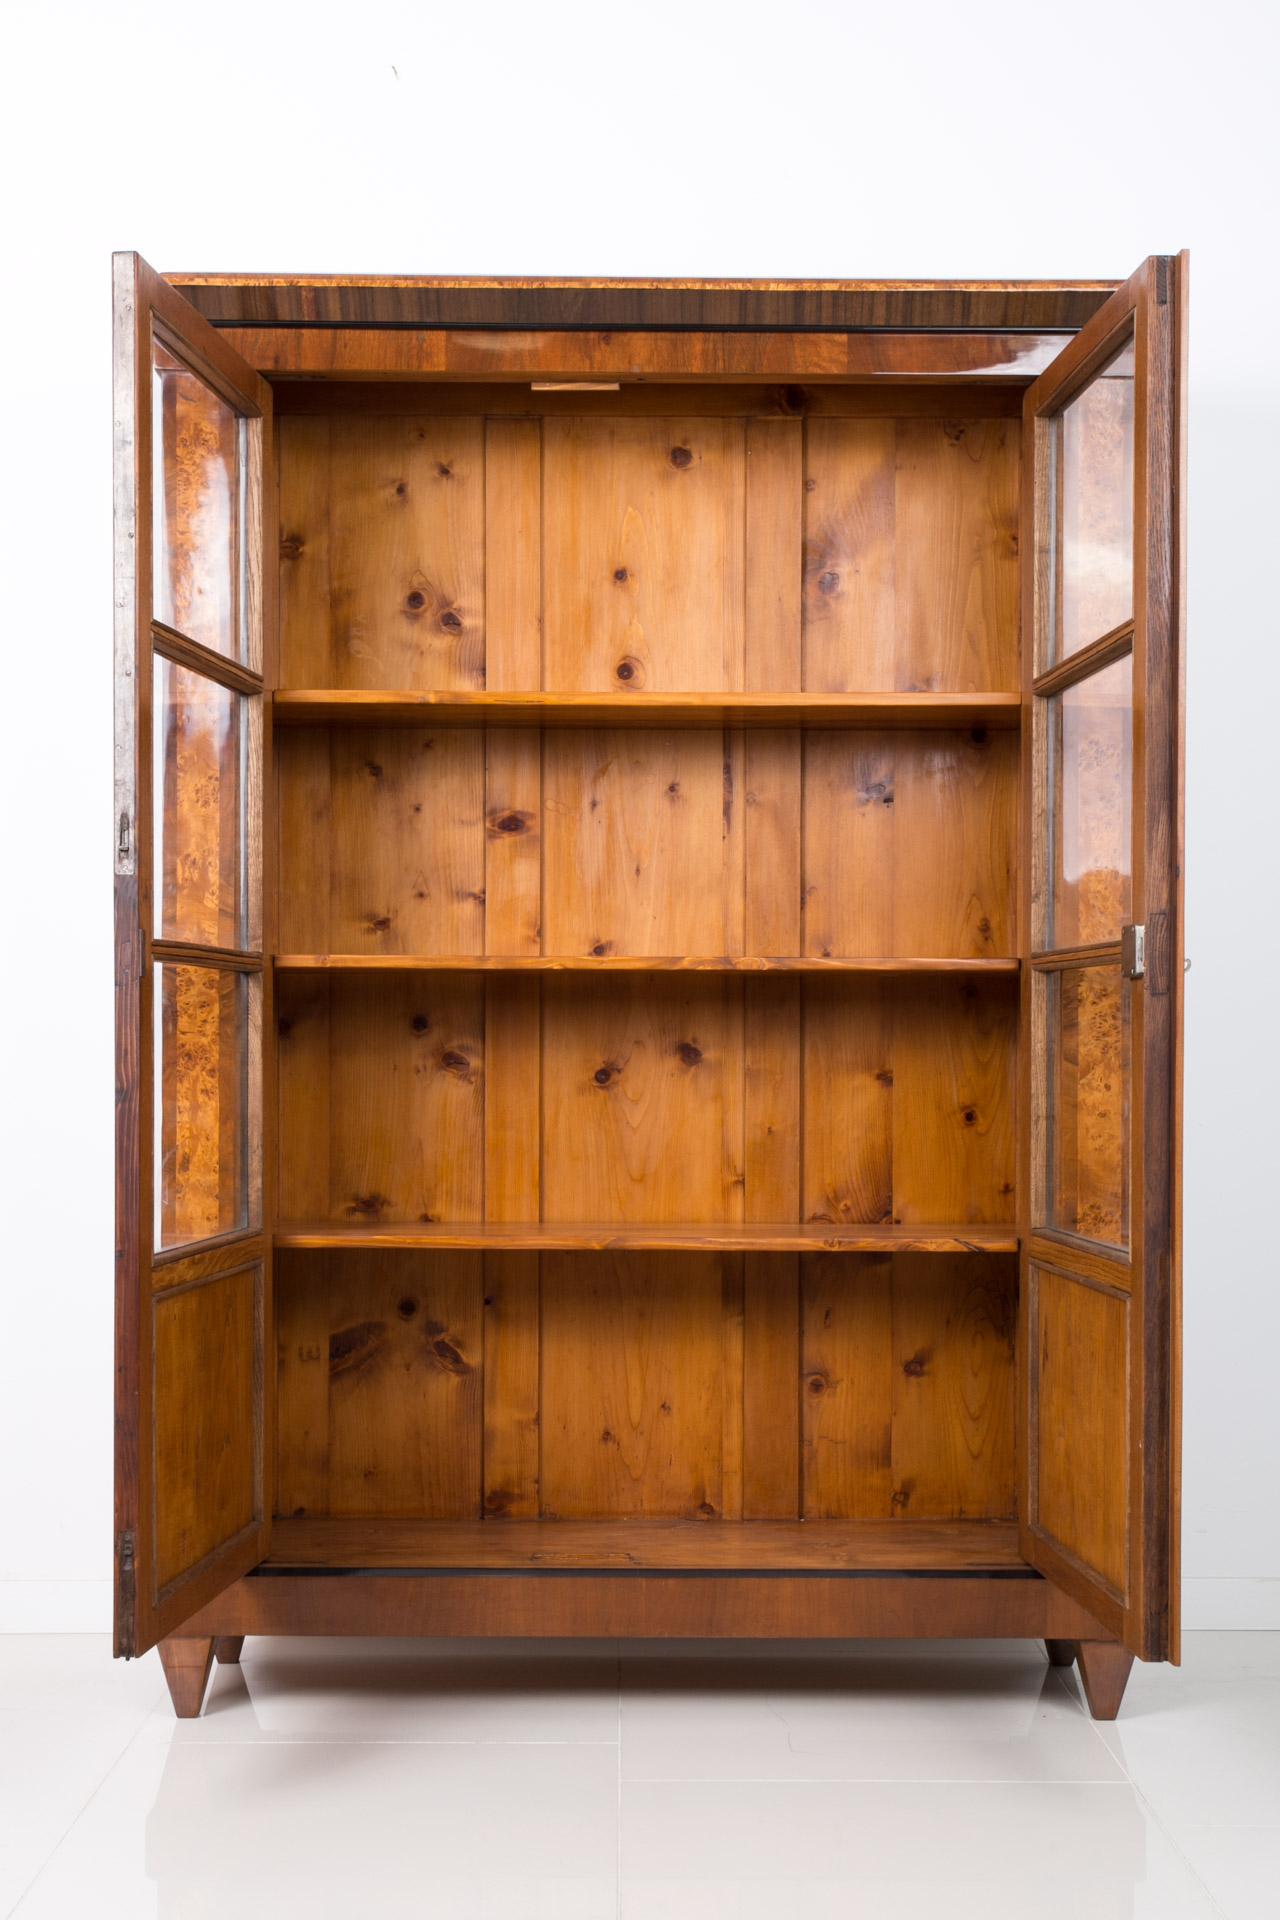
(76, 1818)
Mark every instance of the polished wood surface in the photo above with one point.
(329, 300)
(1099, 1054)
(662, 1545)
(650, 789)
(327, 706)
(193, 1421)
(187, 1659)
(650, 1606)
(630, 963)
(570, 1236)
(1104, 1675)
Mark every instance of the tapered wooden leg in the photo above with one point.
(186, 1662)
(226, 1649)
(1104, 1672)
(1062, 1653)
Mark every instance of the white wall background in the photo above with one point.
(805, 139)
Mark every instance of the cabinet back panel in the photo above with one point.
(688, 550)
(679, 1097)
(625, 1385)
(853, 843)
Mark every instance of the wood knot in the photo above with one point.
(621, 575)
(402, 488)
(451, 620)
(628, 670)
(420, 1023)
(601, 948)
(444, 470)
(378, 922)
(673, 789)
(606, 1075)
(368, 1206)
(351, 1347)
(415, 600)
(706, 1509)
(791, 400)
(969, 1116)
(954, 431)
(444, 1353)
(452, 1061)
(608, 1437)
(291, 545)
(918, 1365)
(681, 457)
(689, 1053)
(373, 770)
(509, 822)
(885, 1076)
(829, 582)
(816, 1385)
(406, 1308)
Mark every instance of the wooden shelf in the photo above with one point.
(333, 706)
(540, 1236)
(625, 963)
(635, 1546)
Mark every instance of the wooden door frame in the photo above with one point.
(1151, 306)
(143, 1612)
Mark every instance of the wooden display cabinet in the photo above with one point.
(648, 876)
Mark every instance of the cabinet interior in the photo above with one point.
(604, 1031)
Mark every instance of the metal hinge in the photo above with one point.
(1133, 952)
(127, 1596)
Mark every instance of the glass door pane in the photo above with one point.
(1088, 1097)
(205, 764)
(1090, 543)
(197, 507)
(1088, 754)
(207, 1182)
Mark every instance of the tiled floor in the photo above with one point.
(495, 1782)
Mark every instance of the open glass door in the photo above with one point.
(1101, 940)
(192, 432)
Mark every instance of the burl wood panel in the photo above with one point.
(197, 803)
(1090, 1059)
(205, 1399)
(202, 1170)
(611, 1386)
(1080, 1421)
(625, 553)
(196, 532)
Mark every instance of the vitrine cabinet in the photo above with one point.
(648, 874)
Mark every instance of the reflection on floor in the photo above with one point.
(587, 1781)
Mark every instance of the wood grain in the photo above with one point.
(412, 707)
(878, 492)
(380, 1393)
(665, 1544)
